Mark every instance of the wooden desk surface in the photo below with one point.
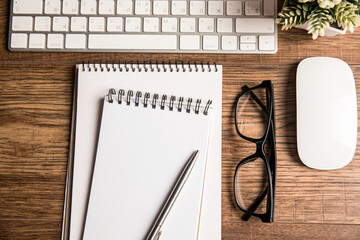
(35, 112)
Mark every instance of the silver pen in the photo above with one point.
(155, 230)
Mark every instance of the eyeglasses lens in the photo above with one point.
(252, 114)
(251, 186)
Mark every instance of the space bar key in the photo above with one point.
(132, 41)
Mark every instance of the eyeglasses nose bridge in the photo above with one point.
(260, 148)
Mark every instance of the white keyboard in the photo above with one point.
(172, 26)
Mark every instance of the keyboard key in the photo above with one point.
(19, 40)
(70, 7)
(78, 24)
(114, 24)
(187, 25)
(107, 7)
(224, 25)
(266, 43)
(88, 7)
(169, 25)
(189, 42)
(96, 24)
(215, 8)
(37, 40)
(129, 41)
(142, 7)
(255, 25)
(151, 24)
(197, 7)
(22, 23)
(248, 39)
(27, 7)
(252, 8)
(210, 42)
(161, 8)
(228, 42)
(269, 8)
(75, 41)
(52, 7)
(206, 24)
(234, 8)
(247, 46)
(124, 7)
(60, 24)
(42, 24)
(133, 24)
(55, 41)
(178, 7)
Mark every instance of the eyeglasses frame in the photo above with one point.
(270, 164)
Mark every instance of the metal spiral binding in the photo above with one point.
(162, 104)
(120, 94)
(155, 98)
(171, 104)
(206, 110)
(188, 105)
(154, 102)
(128, 98)
(164, 66)
(197, 106)
(181, 100)
(146, 98)
(137, 98)
(111, 92)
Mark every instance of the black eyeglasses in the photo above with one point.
(255, 175)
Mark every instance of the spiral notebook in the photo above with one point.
(202, 81)
(145, 141)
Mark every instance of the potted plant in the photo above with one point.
(320, 17)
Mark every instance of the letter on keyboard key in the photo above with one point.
(161, 7)
(19, 40)
(106, 7)
(70, 7)
(88, 6)
(42, 24)
(169, 25)
(52, 7)
(27, 6)
(197, 7)
(133, 24)
(75, 41)
(215, 7)
(189, 42)
(233, 8)
(178, 7)
(124, 7)
(114, 24)
(133, 42)
(142, 7)
(252, 8)
(255, 25)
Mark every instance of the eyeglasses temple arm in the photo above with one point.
(245, 88)
(255, 205)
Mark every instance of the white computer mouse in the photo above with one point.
(326, 108)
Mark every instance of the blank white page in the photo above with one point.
(91, 86)
(141, 152)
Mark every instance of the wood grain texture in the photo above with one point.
(35, 116)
